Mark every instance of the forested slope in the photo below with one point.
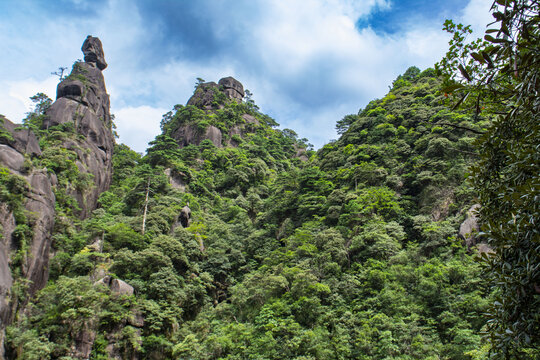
(229, 239)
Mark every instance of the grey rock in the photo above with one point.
(70, 88)
(469, 228)
(121, 287)
(93, 52)
(136, 320)
(85, 104)
(24, 140)
(232, 88)
(175, 180)
(7, 223)
(204, 95)
(250, 119)
(84, 340)
(11, 158)
(185, 216)
(41, 203)
(191, 134)
(105, 281)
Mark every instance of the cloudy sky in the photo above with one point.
(307, 62)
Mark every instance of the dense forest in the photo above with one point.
(232, 239)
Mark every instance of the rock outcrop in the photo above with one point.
(39, 203)
(82, 100)
(192, 134)
(185, 216)
(204, 95)
(469, 228)
(232, 88)
(209, 97)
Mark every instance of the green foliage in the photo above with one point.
(349, 255)
(501, 74)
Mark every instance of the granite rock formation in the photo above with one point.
(470, 227)
(83, 101)
(232, 88)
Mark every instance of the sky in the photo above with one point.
(308, 63)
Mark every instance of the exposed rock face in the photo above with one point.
(204, 95)
(232, 88)
(191, 134)
(82, 100)
(24, 140)
(185, 216)
(39, 202)
(93, 52)
(469, 228)
(117, 286)
(205, 98)
(175, 180)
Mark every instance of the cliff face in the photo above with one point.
(82, 100)
(38, 210)
(213, 98)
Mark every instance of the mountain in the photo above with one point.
(232, 239)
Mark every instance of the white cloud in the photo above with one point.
(15, 96)
(304, 60)
(477, 14)
(138, 125)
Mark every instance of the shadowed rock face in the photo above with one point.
(191, 134)
(39, 201)
(204, 96)
(82, 99)
(232, 88)
(93, 52)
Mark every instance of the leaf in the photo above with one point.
(451, 88)
(464, 72)
(495, 40)
(486, 56)
(478, 57)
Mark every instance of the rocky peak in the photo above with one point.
(82, 99)
(205, 94)
(232, 88)
(93, 52)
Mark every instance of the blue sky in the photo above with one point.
(307, 62)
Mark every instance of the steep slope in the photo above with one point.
(60, 171)
(230, 240)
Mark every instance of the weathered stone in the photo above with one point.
(84, 340)
(121, 287)
(250, 119)
(203, 95)
(105, 281)
(70, 88)
(24, 140)
(232, 88)
(93, 52)
(175, 180)
(40, 203)
(11, 158)
(191, 134)
(469, 228)
(7, 223)
(185, 216)
(85, 104)
(136, 320)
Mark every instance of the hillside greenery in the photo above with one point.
(350, 252)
